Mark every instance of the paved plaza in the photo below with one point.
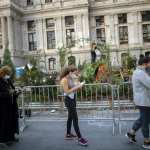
(49, 135)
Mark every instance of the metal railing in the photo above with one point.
(127, 110)
(98, 101)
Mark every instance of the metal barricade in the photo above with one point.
(127, 110)
(97, 101)
(94, 101)
(22, 116)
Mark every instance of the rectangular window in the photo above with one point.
(50, 23)
(29, 2)
(123, 34)
(146, 32)
(145, 16)
(100, 34)
(70, 37)
(51, 42)
(48, 1)
(99, 20)
(32, 41)
(69, 21)
(122, 18)
(31, 25)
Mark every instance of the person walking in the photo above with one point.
(70, 89)
(141, 92)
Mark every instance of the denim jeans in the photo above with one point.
(143, 121)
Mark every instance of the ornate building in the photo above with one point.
(39, 27)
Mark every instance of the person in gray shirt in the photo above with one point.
(141, 93)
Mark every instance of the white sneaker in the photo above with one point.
(146, 145)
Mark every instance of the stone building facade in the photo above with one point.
(40, 27)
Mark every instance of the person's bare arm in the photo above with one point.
(64, 84)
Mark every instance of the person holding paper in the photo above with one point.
(70, 89)
(8, 108)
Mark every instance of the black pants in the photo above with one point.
(143, 121)
(72, 116)
(93, 56)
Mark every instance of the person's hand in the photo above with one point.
(11, 91)
(81, 85)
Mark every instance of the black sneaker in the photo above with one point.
(131, 137)
(146, 145)
(3, 145)
(70, 136)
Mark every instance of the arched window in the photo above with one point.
(52, 63)
(124, 59)
(72, 60)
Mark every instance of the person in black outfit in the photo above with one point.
(8, 108)
(93, 53)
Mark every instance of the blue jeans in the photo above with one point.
(143, 121)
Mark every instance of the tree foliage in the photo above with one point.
(7, 61)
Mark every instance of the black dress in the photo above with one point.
(8, 112)
(15, 111)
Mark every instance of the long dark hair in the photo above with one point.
(64, 72)
(67, 70)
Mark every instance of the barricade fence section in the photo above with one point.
(98, 101)
(128, 112)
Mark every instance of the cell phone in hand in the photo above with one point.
(82, 83)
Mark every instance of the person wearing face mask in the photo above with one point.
(141, 93)
(75, 74)
(8, 110)
(148, 68)
(69, 89)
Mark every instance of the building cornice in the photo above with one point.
(5, 6)
(117, 5)
(54, 9)
(17, 8)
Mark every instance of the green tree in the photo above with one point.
(105, 51)
(62, 53)
(7, 61)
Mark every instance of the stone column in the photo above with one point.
(92, 29)
(79, 31)
(4, 39)
(24, 36)
(59, 32)
(39, 33)
(63, 27)
(133, 29)
(140, 30)
(10, 33)
(116, 29)
(108, 29)
(86, 32)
